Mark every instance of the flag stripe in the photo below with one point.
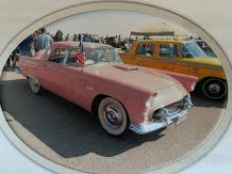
(80, 55)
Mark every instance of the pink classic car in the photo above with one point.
(122, 96)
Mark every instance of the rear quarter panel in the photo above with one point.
(28, 66)
(206, 71)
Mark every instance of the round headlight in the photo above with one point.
(145, 117)
(150, 102)
(193, 86)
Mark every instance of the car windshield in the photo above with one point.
(192, 50)
(101, 55)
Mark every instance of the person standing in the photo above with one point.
(58, 36)
(25, 46)
(35, 37)
(43, 40)
(68, 37)
(75, 37)
(119, 44)
(14, 57)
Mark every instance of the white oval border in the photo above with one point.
(191, 157)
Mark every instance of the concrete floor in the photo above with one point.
(70, 136)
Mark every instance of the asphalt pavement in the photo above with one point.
(68, 135)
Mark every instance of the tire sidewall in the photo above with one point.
(114, 132)
(205, 85)
(30, 79)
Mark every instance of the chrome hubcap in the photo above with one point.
(214, 88)
(34, 84)
(112, 116)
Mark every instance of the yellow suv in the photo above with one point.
(184, 57)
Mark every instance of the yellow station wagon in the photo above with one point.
(184, 57)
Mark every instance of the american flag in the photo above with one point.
(80, 55)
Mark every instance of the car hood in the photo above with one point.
(133, 76)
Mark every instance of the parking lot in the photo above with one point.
(70, 136)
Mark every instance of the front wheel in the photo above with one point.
(112, 116)
(214, 89)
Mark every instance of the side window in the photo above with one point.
(185, 52)
(168, 50)
(71, 60)
(58, 55)
(145, 49)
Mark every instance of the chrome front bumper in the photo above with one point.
(166, 118)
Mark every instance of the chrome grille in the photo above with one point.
(171, 109)
(174, 107)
